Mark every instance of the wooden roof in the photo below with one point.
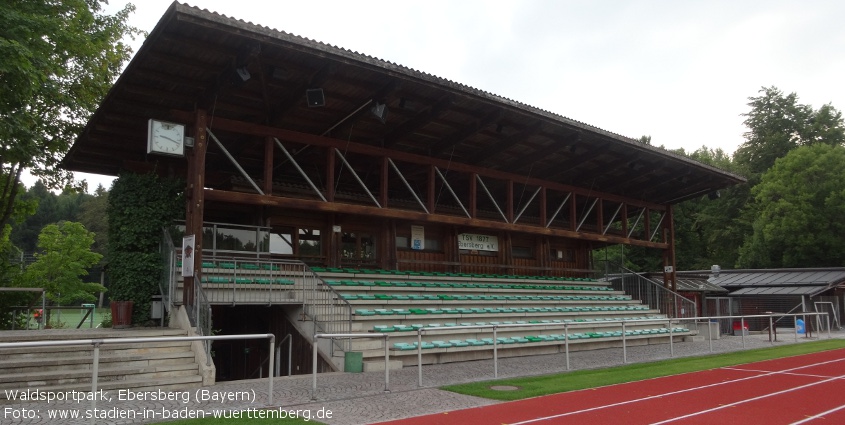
(189, 61)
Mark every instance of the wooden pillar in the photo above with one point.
(669, 253)
(624, 220)
(473, 195)
(509, 208)
(330, 161)
(268, 166)
(431, 189)
(195, 200)
(543, 206)
(384, 187)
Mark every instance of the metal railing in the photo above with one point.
(96, 343)
(671, 324)
(349, 336)
(649, 292)
(239, 280)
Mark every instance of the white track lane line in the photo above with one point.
(725, 406)
(606, 406)
(820, 415)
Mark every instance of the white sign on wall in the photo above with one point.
(475, 242)
(188, 255)
(417, 237)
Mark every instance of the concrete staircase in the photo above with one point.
(147, 366)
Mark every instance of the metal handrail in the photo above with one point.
(567, 326)
(96, 343)
(651, 292)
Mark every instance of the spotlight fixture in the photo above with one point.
(380, 111)
(315, 98)
(243, 73)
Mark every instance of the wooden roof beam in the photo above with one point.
(419, 120)
(468, 130)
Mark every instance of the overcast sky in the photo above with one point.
(679, 71)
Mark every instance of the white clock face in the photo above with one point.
(166, 138)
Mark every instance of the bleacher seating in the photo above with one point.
(529, 312)
(532, 314)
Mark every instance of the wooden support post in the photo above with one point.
(196, 201)
(268, 166)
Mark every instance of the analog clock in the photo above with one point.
(165, 138)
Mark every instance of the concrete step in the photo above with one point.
(50, 378)
(122, 365)
(106, 349)
(134, 385)
(105, 362)
(98, 333)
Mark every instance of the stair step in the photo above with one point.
(122, 365)
(142, 384)
(73, 334)
(74, 377)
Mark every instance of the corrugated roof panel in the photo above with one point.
(779, 290)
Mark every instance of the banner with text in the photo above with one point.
(475, 242)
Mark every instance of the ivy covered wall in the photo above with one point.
(140, 205)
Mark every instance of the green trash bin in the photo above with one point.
(353, 362)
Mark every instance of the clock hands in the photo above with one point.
(172, 140)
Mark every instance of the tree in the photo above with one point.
(777, 123)
(59, 58)
(93, 215)
(64, 258)
(801, 201)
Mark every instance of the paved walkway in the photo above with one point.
(343, 399)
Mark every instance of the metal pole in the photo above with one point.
(314, 369)
(270, 365)
(279, 358)
(290, 352)
(94, 372)
(710, 334)
(43, 310)
(419, 357)
(742, 330)
(624, 344)
(386, 361)
(671, 339)
(827, 319)
(772, 336)
(495, 354)
(566, 343)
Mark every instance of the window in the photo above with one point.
(358, 246)
(523, 252)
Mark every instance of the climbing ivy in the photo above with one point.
(140, 205)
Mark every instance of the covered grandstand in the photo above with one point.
(328, 190)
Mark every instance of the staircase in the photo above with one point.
(161, 365)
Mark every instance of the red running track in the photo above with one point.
(795, 390)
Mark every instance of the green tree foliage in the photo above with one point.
(59, 58)
(93, 214)
(140, 206)
(64, 257)
(777, 123)
(801, 202)
(52, 208)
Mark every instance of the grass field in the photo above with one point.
(69, 318)
(551, 384)
(583, 379)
